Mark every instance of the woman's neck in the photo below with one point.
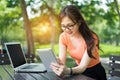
(77, 35)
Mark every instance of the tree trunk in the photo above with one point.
(117, 9)
(30, 43)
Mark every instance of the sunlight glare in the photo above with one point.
(44, 29)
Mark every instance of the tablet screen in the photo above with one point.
(47, 57)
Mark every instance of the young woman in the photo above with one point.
(82, 44)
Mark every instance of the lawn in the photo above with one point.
(109, 49)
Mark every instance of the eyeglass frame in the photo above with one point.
(70, 27)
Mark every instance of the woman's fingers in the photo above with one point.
(55, 65)
(58, 69)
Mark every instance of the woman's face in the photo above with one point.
(69, 26)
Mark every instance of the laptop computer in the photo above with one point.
(18, 59)
(47, 57)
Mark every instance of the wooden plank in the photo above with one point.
(4, 74)
(114, 65)
(115, 57)
(114, 73)
(51, 76)
(113, 78)
(37, 76)
(7, 73)
(4, 60)
(24, 76)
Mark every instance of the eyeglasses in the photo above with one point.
(69, 27)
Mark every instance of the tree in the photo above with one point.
(27, 28)
(47, 14)
(9, 17)
(111, 31)
(10, 20)
(117, 9)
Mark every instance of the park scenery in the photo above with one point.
(35, 23)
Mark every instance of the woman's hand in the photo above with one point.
(59, 68)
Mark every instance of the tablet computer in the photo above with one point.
(47, 56)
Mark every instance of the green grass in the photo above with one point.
(109, 49)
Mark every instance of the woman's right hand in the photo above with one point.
(59, 69)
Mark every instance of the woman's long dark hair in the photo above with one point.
(74, 14)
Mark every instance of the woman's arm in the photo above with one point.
(63, 70)
(62, 53)
(83, 64)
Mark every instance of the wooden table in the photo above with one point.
(7, 73)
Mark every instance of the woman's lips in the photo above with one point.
(69, 32)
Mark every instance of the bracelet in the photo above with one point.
(71, 71)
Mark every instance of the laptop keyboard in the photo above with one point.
(29, 66)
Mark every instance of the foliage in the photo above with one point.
(105, 22)
(112, 29)
(46, 25)
(12, 3)
(9, 19)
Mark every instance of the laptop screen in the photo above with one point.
(16, 54)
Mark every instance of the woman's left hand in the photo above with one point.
(59, 69)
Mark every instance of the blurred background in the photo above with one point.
(35, 23)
